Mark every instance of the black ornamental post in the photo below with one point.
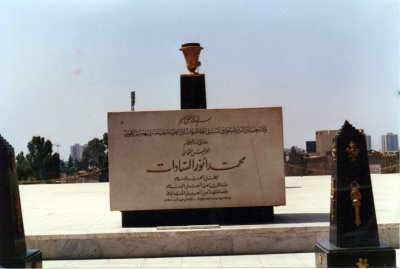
(353, 236)
(13, 252)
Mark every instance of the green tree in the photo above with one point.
(40, 151)
(63, 167)
(104, 174)
(52, 167)
(24, 169)
(70, 166)
(77, 165)
(105, 141)
(45, 165)
(95, 156)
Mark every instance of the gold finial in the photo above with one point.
(191, 51)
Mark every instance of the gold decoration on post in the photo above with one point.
(355, 196)
(334, 151)
(320, 260)
(353, 151)
(191, 51)
(362, 263)
(332, 199)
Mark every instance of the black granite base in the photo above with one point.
(200, 216)
(31, 259)
(328, 255)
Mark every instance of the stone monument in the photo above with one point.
(13, 252)
(353, 238)
(196, 167)
(193, 139)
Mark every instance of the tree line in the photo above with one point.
(41, 164)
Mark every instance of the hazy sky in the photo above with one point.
(65, 64)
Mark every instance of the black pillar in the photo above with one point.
(353, 238)
(13, 253)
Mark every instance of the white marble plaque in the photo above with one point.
(196, 159)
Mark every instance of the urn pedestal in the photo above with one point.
(193, 91)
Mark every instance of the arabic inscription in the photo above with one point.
(202, 186)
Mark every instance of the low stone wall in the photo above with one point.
(224, 240)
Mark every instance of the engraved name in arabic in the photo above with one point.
(194, 164)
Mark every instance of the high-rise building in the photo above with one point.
(389, 142)
(368, 141)
(76, 152)
(324, 141)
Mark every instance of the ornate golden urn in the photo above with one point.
(191, 51)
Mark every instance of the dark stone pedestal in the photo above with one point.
(328, 255)
(31, 259)
(193, 91)
(198, 216)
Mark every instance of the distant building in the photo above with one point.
(319, 165)
(324, 141)
(76, 152)
(368, 140)
(311, 146)
(389, 142)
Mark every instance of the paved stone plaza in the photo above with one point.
(243, 261)
(71, 222)
(294, 260)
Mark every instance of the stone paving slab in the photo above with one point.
(292, 260)
(85, 208)
(74, 221)
(300, 260)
